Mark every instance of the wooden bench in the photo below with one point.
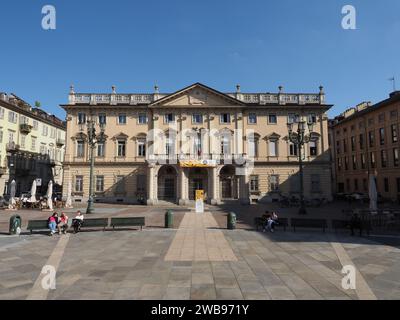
(37, 225)
(95, 223)
(309, 223)
(128, 222)
(260, 222)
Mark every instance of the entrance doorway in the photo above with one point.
(198, 180)
(228, 183)
(167, 177)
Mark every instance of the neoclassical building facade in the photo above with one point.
(163, 147)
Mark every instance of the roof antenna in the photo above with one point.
(393, 79)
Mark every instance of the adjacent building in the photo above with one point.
(365, 141)
(165, 146)
(32, 144)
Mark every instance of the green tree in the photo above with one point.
(38, 104)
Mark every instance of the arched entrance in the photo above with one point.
(167, 184)
(198, 180)
(228, 183)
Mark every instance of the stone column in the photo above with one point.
(244, 194)
(214, 180)
(152, 198)
(183, 184)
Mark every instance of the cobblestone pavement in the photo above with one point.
(133, 264)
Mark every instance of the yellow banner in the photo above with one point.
(198, 164)
(199, 195)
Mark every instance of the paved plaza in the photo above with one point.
(199, 259)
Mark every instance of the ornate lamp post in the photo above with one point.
(299, 138)
(92, 141)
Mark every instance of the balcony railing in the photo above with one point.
(25, 128)
(12, 147)
(60, 142)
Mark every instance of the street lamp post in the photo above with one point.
(92, 141)
(299, 139)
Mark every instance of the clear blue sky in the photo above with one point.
(258, 43)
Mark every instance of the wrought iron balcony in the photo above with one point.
(25, 128)
(12, 147)
(60, 142)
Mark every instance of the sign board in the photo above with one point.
(38, 182)
(198, 163)
(199, 201)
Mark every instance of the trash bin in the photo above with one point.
(231, 221)
(15, 225)
(169, 219)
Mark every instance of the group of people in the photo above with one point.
(271, 220)
(60, 223)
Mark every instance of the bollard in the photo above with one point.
(169, 219)
(15, 225)
(231, 223)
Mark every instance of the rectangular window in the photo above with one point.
(312, 118)
(81, 118)
(120, 184)
(382, 136)
(252, 118)
(348, 185)
(122, 118)
(254, 183)
(1, 136)
(45, 130)
(141, 183)
(273, 148)
(100, 149)
(121, 152)
(99, 183)
(371, 138)
(169, 118)
(372, 159)
(80, 149)
(365, 184)
(381, 117)
(315, 183)
(338, 147)
(1, 113)
(141, 148)
(370, 122)
(353, 143)
(272, 119)
(361, 141)
(344, 145)
(293, 149)
(142, 118)
(102, 118)
(225, 145)
(225, 118)
(274, 183)
(354, 161)
(394, 133)
(52, 133)
(33, 143)
(396, 157)
(197, 119)
(11, 136)
(35, 125)
(346, 163)
(12, 117)
(339, 164)
(355, 184)
(313, 148)
(293, 118)
(79, 184)
(386, 184)
(393, 114)
(363, 162)
(23, 141)
(383, 158)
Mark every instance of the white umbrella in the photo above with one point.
(33, 192)
(68, 203)
(12, 194)
(49, 195)
(373, 194)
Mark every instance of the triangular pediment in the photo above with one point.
(197, 95)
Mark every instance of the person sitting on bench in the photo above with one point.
(77, 222)
(62, 225)
(52, 223)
